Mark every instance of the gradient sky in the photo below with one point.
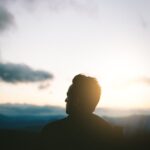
(109, 40)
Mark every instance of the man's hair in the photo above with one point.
(88, 89)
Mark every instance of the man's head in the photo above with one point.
(83, 95)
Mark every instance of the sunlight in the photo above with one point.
(118, 90)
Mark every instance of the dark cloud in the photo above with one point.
(14, 73)
(6, 19)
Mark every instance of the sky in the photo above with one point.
(44, 44)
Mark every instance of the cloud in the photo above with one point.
(138, 81)
(14, 73)
(144, 23)
(84, 6)
(6, 19)
(43, 86)
(145, 80)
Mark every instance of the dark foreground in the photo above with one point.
(28, 140)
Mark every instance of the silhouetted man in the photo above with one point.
(81, 129)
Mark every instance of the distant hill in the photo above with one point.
(31, 117)
(26, 122)
(20, 125)
(28, 117)
(27, 110)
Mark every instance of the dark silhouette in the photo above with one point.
(81, 129)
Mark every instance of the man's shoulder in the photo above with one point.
(104, 124)
(51, 126)
(101, 122)
(107, 129)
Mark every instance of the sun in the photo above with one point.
(118, 90)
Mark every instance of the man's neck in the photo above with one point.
(80, 116)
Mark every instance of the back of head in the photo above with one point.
(86, 91)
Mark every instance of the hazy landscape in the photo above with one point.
(32, 117)
(20, 125)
